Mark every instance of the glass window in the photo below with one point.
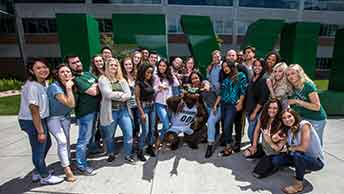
(281, 4)
(242, 27)
(6, 7)
(328, 30)
(323, 63)
(201, 2)
(128, 1)
(172, 25)
(228, 28)
(218, 26)
(105, 25)
(41, 25)
(49, 1)
(7, 24)
(331, 5)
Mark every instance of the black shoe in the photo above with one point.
(209, 151)
(258, 176)
(111, 158)
(174, 146)
(130, 159)
(236, 148)
(193, 146)
(150, 151)
(141, 156)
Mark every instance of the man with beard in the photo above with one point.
(87, 106)
(249, 58)
(188, 119)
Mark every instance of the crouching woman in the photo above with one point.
(304, 149)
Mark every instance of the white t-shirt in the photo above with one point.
(181, 122)
(315, 149)
(33, 93)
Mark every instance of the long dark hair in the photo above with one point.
(29, 68)
(232, 75)
(57, 78)
(197, 73)
(142, 71)
(262, 63)
(167, 75)
(278, 59)
(264, 118)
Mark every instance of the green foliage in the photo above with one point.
(9, 105)
(120, 51)
(10, 84)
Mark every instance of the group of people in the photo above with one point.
(279, 103)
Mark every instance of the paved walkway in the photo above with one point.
(184, 171)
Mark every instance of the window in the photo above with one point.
(7, 24)
(128, 1)
(323, 63)
(242, 27)
(6, 7)
(281, 4)
(328, 30)
(105, 25)
(330, 5)
(39, 25)
(52, 61)
(49, 1)
(202, 2)
(222, 26)
(218, 26)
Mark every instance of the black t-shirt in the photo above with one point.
(146, 91)
(257, 93)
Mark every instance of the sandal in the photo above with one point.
(247, 153)
(226, 152)
(295, 188)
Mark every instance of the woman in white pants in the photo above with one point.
(61, 102)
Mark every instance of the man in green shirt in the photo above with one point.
(87, 106)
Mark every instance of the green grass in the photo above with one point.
(9, 105)
(321, 84)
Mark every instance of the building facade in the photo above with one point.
(36, 23)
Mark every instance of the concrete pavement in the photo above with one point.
(172, 172)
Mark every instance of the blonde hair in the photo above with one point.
(215, 52)
(282, 87)
(300, 72)
(118, 75)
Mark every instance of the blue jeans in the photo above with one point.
(161, 111)
(251, 126)
(228, 113)
(135, 121)
(85, 134)
(148, 127)
(92, 146)
(122, 118)
(39, 150)
(300, 161)
(319, 127)
(212, 120)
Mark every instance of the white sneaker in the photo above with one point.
(36, 176)
(51, 180)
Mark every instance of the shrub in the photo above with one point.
(10, 84)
